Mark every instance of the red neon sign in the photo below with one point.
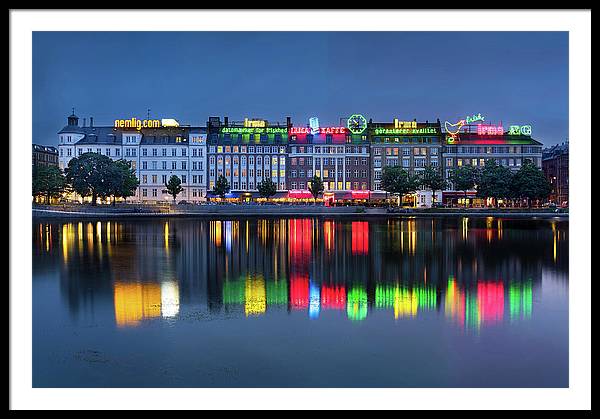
(489, 129)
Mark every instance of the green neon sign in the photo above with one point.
(520, 130)
(357, 124)
(405, 131)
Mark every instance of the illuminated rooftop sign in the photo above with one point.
(405, 131)
(254, 123)
(247, 130)
(137, 123)
(490, 129)
(320, 130)
(357, 124)
(169, 122)
(314, 124)
(519, 130)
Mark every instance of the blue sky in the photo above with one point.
(509, 77)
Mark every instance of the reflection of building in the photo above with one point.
(555, 164)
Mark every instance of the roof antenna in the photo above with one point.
(148, 114)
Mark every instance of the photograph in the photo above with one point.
(344, 208)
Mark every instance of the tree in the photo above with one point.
(315, 186)
(433, 179)
(122, 181)
(494, 181)
(464, 179)
(221, 186)
(48, 181)
(397, 181)
(267, 188)
(88, 175)
(530, 183)
(174, 187)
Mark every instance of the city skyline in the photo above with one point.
(212, 81)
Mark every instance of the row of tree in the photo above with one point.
(90, 174)
(490, 181)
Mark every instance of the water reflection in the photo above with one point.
(471, 272)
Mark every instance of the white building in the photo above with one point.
(154, 153)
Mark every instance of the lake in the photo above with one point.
(300, 302)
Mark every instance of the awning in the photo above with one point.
(299, 194)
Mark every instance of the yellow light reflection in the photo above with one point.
(256, 296)
(135, 302)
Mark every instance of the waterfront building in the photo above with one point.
(555, 164)
(245, 153)
(338, 155)
(473, 144)
(411, 145)
(155, 149)
(42, 155)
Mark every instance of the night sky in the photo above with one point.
(510, 77)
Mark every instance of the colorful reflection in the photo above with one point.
(299, 291)
(360, 237)
(255, 296)
(314, 306)
(135, 302)
(356, 307)
(520, 299)
(333, 297)
(403, 300)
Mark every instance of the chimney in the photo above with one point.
(289, 121)
(84, 122)
(91, 122)
(225, 120)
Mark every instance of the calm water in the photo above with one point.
(307, 302)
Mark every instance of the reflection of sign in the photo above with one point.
(520, 130)
(321, 130)
(489, 129)
(254, 123)
(357, 124)
(245, 130)
(137, 123)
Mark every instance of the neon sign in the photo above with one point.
(357, 124)
(254, 123)
(414, 131)
(519, 130)
(320, 130)
(138, 123)
(314, 124)
(489, 129)
(475, 118)
(404, 124)
(247, 130)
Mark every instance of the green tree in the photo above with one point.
(267, 188)
(433, 179)
(316, 187)
(530, 183)
(122, 181)
(464, 179)
(88, 175)
(221, 186)
(397, 181)
(494, 181)
(49, 182)
(174, 187)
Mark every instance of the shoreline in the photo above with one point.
(261, 212)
